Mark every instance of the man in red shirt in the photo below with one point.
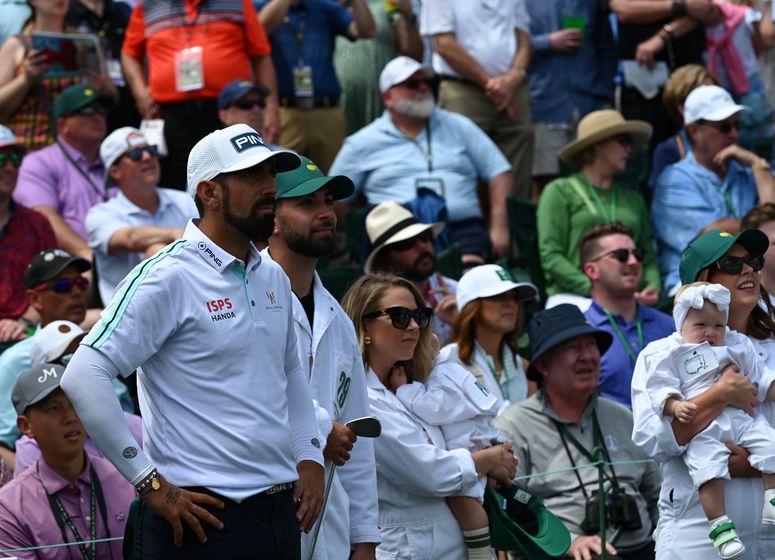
(193, 49)
(23, 234)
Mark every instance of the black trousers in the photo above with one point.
(262, 527)
(185, 124)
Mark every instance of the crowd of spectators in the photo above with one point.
(631, 130)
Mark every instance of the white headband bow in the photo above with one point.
(695, 298)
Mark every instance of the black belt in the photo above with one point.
(192, 105)
(314, 102)
(448, 78)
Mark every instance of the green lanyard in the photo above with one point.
(502, 383)
(621, 337)
(609, 218)
(727, 201)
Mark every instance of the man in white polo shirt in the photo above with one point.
(228, 420)
(142, 218)
(330, 355)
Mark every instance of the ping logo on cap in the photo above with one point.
(248, 140)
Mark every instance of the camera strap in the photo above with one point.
(598, 441)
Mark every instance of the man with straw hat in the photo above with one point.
(569, 206)
(713, 186)
(561, 426)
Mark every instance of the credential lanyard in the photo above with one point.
(609, 218)
(428, 152)
(621, 337)
(102, 193)
(63, 518)
(727, 201)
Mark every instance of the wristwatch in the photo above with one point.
(760, 165)
(149, 483)
(679, 8)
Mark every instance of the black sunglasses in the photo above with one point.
(90, 110)
(734, 265)
(15, 158)
(624, 140)
(402, 316)
(724, 127)
(136, 154)
(623, 255)
(416, 83)
(406, 244)
(64, 285)
(247, 104)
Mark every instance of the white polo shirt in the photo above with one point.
(215, 340)
(176, 208)
(484, 28)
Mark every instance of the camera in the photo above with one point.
(621, 511)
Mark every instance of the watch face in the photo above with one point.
(155, 484)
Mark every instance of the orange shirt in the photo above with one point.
(226, 51)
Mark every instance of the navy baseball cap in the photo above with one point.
(236, 90)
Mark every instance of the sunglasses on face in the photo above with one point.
(624, 141)
(247, 104)
(64, 285)
(406, 244)
(400, 317)
(623, 255)
(136, 154)
(90, 110)
(14, 157)
(416, 83)
(734, 265)
(723, 127)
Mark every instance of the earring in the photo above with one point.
(367, 340)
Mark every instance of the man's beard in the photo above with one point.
(418, 273)
(420, 106)
(314, 248)
(257, 226)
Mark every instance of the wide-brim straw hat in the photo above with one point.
(602, 125)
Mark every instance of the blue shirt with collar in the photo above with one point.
(616, 365)
(689, 197)
(319, 21)
(384, 164)
(581, 80)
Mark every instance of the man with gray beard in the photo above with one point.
(415, 145)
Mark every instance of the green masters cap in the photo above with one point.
(711, 246)
(76, 97)
(307, 178)
(519, 521)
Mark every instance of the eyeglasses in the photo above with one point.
(89, 110)
(14, 157)
(247, 104)
(624, 140)
(623, 255)
(406, 244)
(64, 285)
(401, 316)
(136, 154)
(734, 265)
(723, 127)
(416, 83)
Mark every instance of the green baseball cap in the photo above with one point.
(711, 246)
(76, 97)
(307, 178)
(519, 521)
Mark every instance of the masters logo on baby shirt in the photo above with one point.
(695, 363)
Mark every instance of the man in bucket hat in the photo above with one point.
(331, 358)
(713, 186)
(401, 245)
(560, 426)
(232, 463)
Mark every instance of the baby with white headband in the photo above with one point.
(691, 361)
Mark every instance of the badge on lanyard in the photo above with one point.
(303, 88)
(114, 71)
(189, 70)
(433, 184)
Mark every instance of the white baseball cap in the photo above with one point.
(7, 138)
(231, 149)
(50, 342)
(710, 103)
(118, 142)
(489, 280)
(396, 71)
